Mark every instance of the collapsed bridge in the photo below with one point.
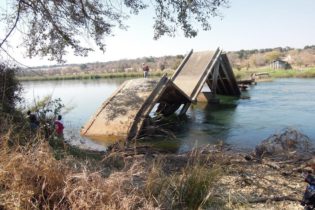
(122, 115)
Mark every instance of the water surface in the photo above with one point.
(242, 123)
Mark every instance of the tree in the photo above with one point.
(162, 65)
(234, 59)
(50, 27)
(83, 67)
(10, 88)
(273, 55)
(257, 60)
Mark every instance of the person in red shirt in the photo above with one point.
(59, 126)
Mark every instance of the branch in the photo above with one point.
(278, 198)
(27, 67)
(47, 14)
(8, 54)
(14, 26)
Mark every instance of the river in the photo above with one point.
(240, 123)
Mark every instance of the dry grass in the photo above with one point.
(183, 182)
(32, 178)
(191, 188)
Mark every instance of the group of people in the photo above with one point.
(58, 124)
(35, 123)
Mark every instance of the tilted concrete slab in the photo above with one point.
(122, 116)
(117, 115)
(189, 76)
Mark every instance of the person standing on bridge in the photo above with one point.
(145, 69)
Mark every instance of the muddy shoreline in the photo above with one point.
(247, 181)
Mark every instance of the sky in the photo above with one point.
(246, 24)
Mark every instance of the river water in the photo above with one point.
(241, 123)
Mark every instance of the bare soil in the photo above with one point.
(246, 182)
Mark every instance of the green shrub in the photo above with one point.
(10, 88)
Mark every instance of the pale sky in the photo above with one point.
(247, 24)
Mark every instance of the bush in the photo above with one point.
(10, 88)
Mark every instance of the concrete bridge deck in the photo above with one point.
(122, 116)
(188, 77)
(118, 113)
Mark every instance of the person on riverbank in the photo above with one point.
(145, 69)
(59, 126)
(33, 121)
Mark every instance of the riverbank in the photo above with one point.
(208, 178)
(236, 181)
(242, 74)
(280, 73)
(94, 76)
(46, 175)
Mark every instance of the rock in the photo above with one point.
(288, 143)
(248, 157)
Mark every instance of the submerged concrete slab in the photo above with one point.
(122, 116)
(117, 114)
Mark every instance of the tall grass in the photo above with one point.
(32, 178)
(191, 187)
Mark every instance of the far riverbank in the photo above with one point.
(239, 74)
(93, 76)
(276, 73)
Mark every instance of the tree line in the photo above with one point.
(126, 65)
(242, 59)
(297, 58)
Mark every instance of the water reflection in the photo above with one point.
(204, 124)
(271, 107)
(208, 124)
(85, 96)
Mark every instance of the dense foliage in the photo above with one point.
(50, 27)
(10, 88)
